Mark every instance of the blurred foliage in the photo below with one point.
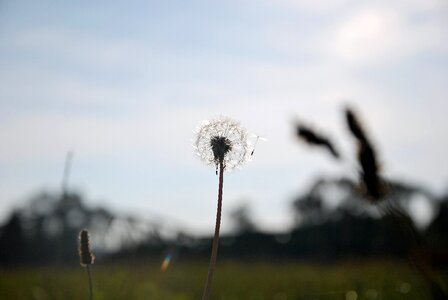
(333, 222)
(253, 280)
(242, 219)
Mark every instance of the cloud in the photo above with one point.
(361, 34)
(383, 36)
(332, 6)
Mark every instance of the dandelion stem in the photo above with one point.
(89, 275)
(211, 268)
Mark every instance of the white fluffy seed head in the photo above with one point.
(222, 139)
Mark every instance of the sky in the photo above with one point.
(125, 84)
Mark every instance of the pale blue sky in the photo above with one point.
(125, 84)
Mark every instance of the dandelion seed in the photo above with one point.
(256, 142)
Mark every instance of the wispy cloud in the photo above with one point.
(378, 36)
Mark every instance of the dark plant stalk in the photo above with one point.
(214, 255)
(367, 158)
(89, 275)
(86, 257)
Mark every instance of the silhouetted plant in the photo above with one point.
(223, 143)
(376, 191)
(86, 257)
(317, 139)
(366, 157)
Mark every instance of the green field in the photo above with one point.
(251, 280)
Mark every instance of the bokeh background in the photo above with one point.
(122, 85)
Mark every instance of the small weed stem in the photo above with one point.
(89, 275)
(211, 268)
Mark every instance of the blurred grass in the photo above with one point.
(233, 280)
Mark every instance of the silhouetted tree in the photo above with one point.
(242, 219)
(11, 241)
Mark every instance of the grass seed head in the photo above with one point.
(370, 173)
(314, 138)
(85, 254)
(355, 126)
(370, 176)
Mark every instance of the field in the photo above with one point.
(233, 281)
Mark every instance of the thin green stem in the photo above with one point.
(214, 255)
(89, 275)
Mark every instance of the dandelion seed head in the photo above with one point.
(222, 140)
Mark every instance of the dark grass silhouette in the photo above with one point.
(86, 257)
(369, 170)
(377, 192)
(316, 139)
